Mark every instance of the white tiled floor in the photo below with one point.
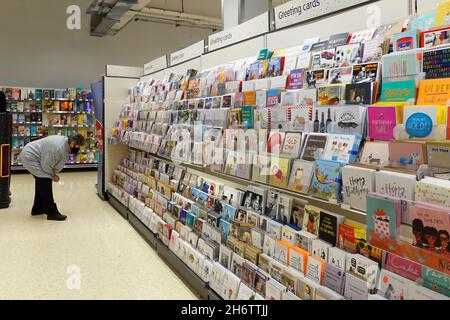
(114, 261)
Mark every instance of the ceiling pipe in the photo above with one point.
(174, 23)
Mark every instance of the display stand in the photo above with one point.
(198, 285)
(142, 229)
(116, 83)
(5, 159)
(274, 40)
(116, 204)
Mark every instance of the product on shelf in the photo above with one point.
(345, 123)
(40, 113)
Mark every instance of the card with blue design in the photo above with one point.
(229, 212)
(224, 228)
(326, 183)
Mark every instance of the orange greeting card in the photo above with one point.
(434, 92)
(250, 98)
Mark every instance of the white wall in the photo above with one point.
(38, 50)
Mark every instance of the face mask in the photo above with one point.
(75, 150)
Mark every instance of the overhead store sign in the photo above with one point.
(191, 52)
(244, 31)
(155, 65)
(298, 11)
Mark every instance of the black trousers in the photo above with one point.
(43, 197)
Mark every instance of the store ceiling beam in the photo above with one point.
(118, 18)
(105, 14)
(176, 16)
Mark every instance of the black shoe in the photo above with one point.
(56, 217)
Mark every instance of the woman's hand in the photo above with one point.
(55, 179)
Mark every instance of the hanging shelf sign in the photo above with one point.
(298, 11)
(191, 52)
(155, 65)
(249, 29)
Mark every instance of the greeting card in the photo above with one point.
(311, 219)
(328, 227)
(434, 92)
(315, 78)
(280, 168)
(366, 72)
(359, 93)
(355, 288)
(381, 123)
(298, 259)
(326, 182)
(403, 267)
(295, 79)
(307, 97)
(407, 154)
(292, 145)
(402, 64)
(330, 95)
(406, 40)
(261, 168)
(435, 37)
(436, 63)
(430, 228)
(314, 269)
(398, 185)
(341, 75)
(349, 120)
(383, 215)
(334, 278)
(398, 91)
(275, 142)
(424, 22)
(319, 249)
(356, 184)
(339, 148)
(300, 116)
(393, 287)
(420, 121)
(301, 175)
(348, 55)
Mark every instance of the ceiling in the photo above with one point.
(117, 14)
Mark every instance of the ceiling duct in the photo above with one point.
(104, 16)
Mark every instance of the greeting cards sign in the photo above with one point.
(298, 11)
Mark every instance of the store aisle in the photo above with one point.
(39, 258)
